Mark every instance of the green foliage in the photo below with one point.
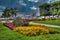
(7, 34)
(9, 12)
(43, 8)
(53, 8)
(53, 22)
(43, 19)
(20, 22)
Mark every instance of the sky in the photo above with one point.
(23, 6)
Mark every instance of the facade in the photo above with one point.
(1, 14)
(38, 12)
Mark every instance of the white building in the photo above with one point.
(1, 14)
(38, 12)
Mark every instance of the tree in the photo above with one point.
(55, 8)
(58, 13)
(53, 11)
(8, 12)
(13, 11)
(44, 9)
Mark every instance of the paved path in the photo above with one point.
(45, 24)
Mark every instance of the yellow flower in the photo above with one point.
(32, 30)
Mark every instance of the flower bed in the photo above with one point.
(10, 25)
(29, 29)
(33, 30)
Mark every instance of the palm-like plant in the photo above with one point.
(13, 11)
(6, 13)
(9, 12)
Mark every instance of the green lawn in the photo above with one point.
(53, 22)
(7, 34)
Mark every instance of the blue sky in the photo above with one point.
(25, 6)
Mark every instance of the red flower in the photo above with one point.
(10, 25)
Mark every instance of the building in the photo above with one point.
(1, 14)
(38, 12)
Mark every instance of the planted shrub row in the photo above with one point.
(33, 30)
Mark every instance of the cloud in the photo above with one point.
(50, 1)
(33, 0)
(2, 7)
(21, 2)
(33, 8)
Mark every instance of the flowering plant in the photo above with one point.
(10, 25)
(33, 30)
(21, 22)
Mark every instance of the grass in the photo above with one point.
(7, 34)
(53, 22)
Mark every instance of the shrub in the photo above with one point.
(33, 30)
(43, 19)
(20, 22)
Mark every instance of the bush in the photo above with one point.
(20, 22)
(33, 30)
(43, 19)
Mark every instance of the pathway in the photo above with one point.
(45, 24)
